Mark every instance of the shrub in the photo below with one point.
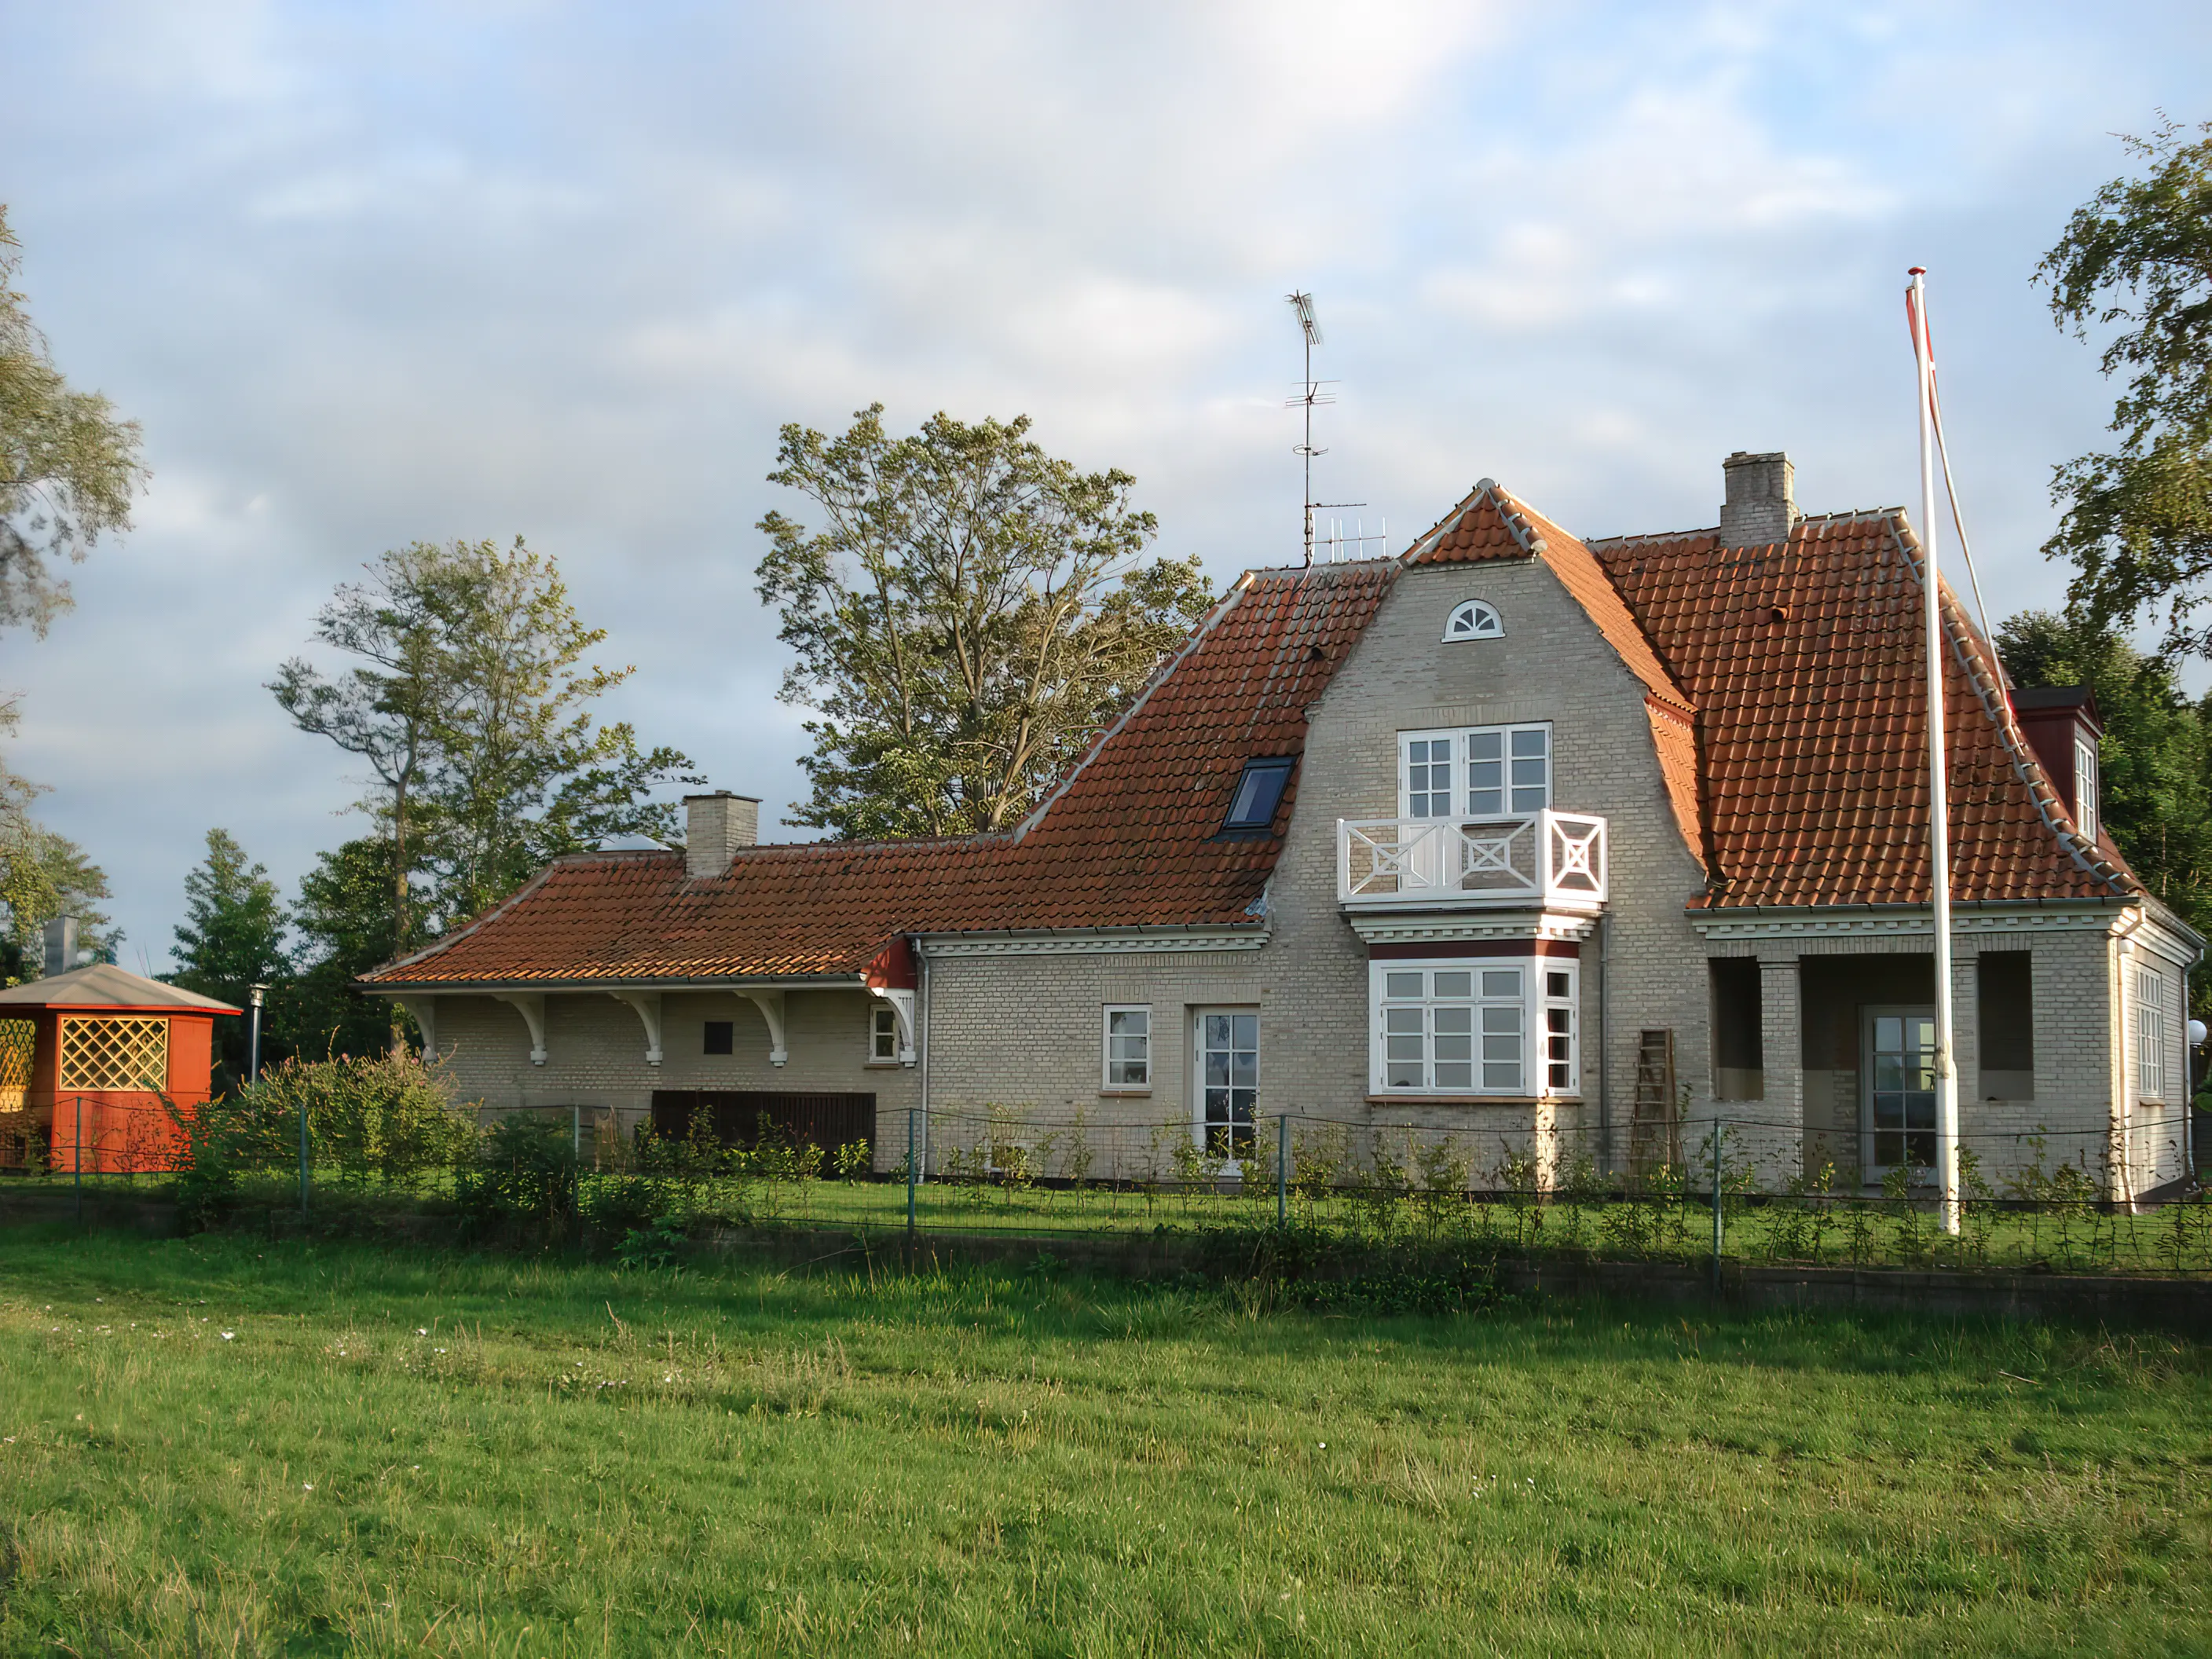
(525, 1174)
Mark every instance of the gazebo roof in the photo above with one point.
(104, 985)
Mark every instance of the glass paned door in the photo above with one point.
(1900, 1089)
(1228, 1073)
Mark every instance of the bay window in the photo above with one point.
(1502, 1026)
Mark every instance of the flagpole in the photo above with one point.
(1939, 798)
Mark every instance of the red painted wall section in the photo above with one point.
(893, 969)
(129, 1131)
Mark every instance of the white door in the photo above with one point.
(1226, 1076)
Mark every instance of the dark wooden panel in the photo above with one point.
(827, 1121)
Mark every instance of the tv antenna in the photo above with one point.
(1310, 394)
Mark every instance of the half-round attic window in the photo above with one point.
(1475, 619)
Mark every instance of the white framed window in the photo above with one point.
(2150, 1033)
(1128, 1047)
(1473, 619)
(2085, 783)
(883, 1035)
(1484, 1026)
(1484, 771)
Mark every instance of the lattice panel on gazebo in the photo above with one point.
(17, 1036)
(120, 1051)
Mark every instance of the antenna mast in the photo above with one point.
(1310, 393)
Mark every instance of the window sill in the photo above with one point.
(881, 1065)
(1473, 1100)
(1125, 1094)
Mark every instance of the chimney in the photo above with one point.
(714, 827)
(59, 938)
(1762, 508)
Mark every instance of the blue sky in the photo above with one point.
(371, 274)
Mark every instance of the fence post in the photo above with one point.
(303, 1157)
(911, 1173)
(1282, 1169)
(77, 1162)
(1716, 1205)
(576, 1135)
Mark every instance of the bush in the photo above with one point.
(524, 1175)
(392, 1118)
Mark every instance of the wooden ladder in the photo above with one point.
(1656, 1129)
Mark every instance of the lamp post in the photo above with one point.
(253, 1036)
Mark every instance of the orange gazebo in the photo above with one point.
(91, 1062)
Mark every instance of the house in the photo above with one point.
(1562, 848)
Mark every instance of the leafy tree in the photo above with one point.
(385, 708)
(971, 612)
(43, 875)
(2155, 768)
(471, 702)
(67, 465)
(523, 774)
(2137, 524)
(344, 922)
(232, 939)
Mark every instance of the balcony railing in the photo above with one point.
(1556, 859)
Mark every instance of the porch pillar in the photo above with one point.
(1782, 1054)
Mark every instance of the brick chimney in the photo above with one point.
(1762, 508)
(714, 827)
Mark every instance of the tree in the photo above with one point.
(43, 875)
(472, 708)
(2137, 523)
(522, 774)
(2155, 768)
(386, 709)
(232, 939)
(972, 610)
(344, 922)
(68, 466)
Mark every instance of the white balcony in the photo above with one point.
(1556, 861)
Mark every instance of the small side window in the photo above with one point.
(883, 1033)
(1128, 1047)
(1473, 619)
(721, 1036)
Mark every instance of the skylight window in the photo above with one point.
(1259, 793)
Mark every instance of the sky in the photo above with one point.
(374, 274)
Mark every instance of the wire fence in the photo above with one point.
(1732, 1188)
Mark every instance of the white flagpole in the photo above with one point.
(1939, 801)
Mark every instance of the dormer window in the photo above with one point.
(1259, 793)
(1473, 619)
(2085, 783)
(2061, 725)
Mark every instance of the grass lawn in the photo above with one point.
(219, 1446)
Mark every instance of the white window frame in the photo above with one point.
(883, 1026)
(1534, 1006)
(2150, 1033)
(1143, 1084)
(1473, 619)
(1460, 746)
(2086, 803)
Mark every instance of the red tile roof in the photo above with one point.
(1804, 659)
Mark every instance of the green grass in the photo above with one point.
(2172, 1241)
(216, 1446)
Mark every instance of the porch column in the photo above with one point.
(1782, 1056)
